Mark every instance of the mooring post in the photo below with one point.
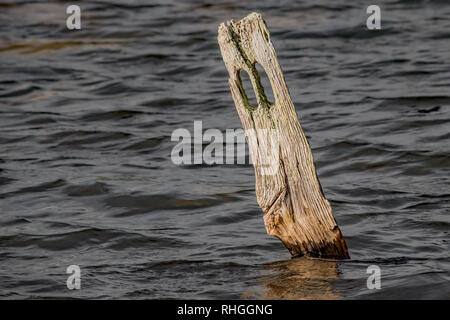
(287, 188)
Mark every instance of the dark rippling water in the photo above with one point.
(86, 176)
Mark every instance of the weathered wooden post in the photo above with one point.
(287, 187)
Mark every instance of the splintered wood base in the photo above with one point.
(287, 188)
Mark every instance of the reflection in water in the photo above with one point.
(301, 278)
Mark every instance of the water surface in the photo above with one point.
(86, 176)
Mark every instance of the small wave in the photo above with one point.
(94, 189)
(110, 115)
(147, 203)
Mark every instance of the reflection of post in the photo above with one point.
(288, 190)
(301, 278)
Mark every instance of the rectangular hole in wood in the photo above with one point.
(265, 82)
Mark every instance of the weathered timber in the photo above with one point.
(295, 208)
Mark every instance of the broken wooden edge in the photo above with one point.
(295, 208)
